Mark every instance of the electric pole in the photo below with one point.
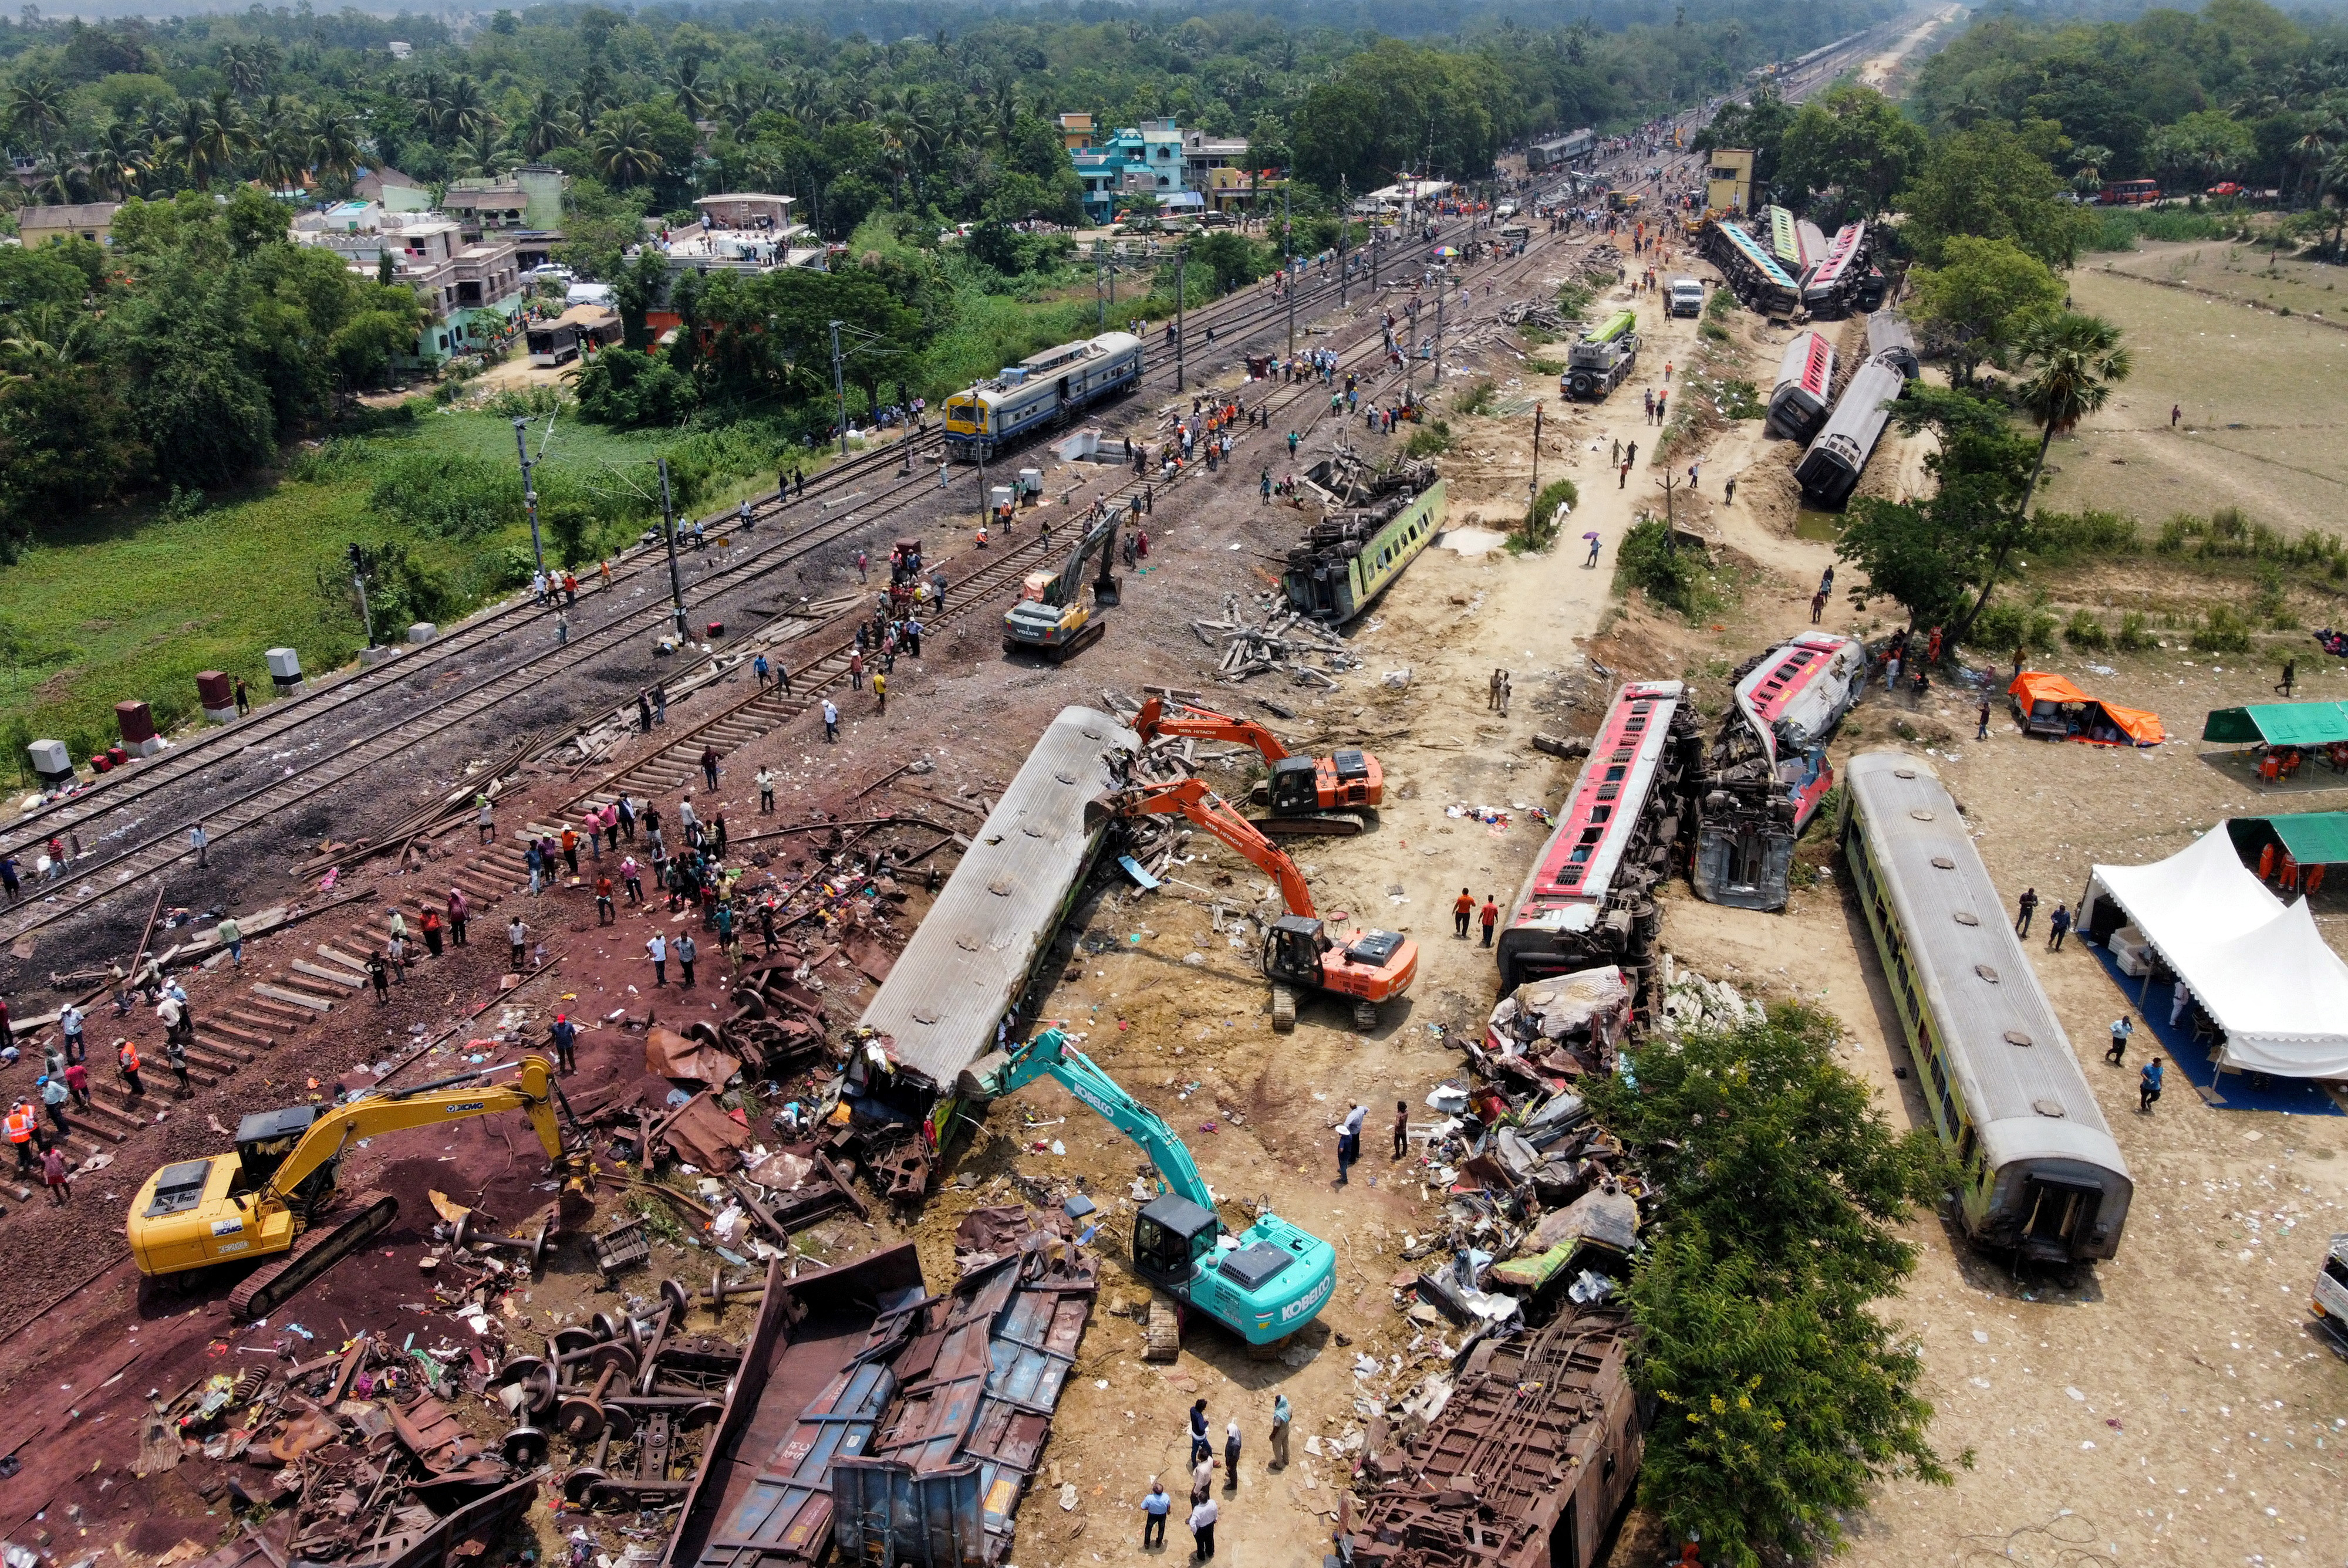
(358, 580)
(978, 444)
(1287, 274)
(1181, 298)
(529, 492)
(1341, 241)
(1442, 287)
(668, 531)
(1669, 482)
(839, 389)
(1537, 429)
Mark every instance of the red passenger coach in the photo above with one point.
(1589, 899)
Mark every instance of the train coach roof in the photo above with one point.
(969, 959)
(2003, 1039)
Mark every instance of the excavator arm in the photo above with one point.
(1191, 799)
(1160, 718)
(1049, 1055)
(447, 1099)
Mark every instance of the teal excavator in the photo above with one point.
(1263, 1284)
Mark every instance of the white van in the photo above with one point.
(1684, 297)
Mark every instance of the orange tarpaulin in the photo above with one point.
(2120, 726)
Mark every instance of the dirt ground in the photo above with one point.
(2264, 396)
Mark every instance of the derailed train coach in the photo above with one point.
(1766, 773)
(2039, 1175)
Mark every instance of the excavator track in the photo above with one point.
(1284, 1010)
(329, 1239)
(1313, 824)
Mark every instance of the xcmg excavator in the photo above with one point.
(1367, 967)
(1050, 618)
(1263, 1284)
(275, 1195)
(1307, 795)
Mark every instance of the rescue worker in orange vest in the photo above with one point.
(126, 1061)
(20, 1132)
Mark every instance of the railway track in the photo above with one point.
(139, 831)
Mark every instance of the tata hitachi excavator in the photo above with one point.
(1367, 967)
(1263, 1284)
(274, 1196)
(1322, 795)
(1050, 618)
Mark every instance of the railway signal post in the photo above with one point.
(529, 492)
(668, 534)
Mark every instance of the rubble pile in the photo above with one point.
(1692, 1002)
(1281, 640)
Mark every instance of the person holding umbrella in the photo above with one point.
(1593, 536)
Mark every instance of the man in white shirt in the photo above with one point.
(1203, 1529)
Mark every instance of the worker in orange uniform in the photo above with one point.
(1491, 917)
(20, 1132)
(126, 1062)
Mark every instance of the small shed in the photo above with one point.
(2050, 705)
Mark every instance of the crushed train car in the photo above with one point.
(1376, 524)
(1766, 771)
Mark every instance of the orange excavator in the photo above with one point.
(1368, 967)
(1307, 795)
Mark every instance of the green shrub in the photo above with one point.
(1539, 530)
(2006, 625)
(1477, 399)
(2062, 538)
(2222, 630)
(2084, 630)
(1740, 399)
(1429, 440)
(450, 493)
(1573, 299)
(2134, 636)
(2121, 231)
(1679, 579)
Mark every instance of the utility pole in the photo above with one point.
(668, 531)
(1181, 298)
(1287, 275)
(529, 491)
(1442, 287)
(1342, 201)
(1669, 482)
(358, 580)
(839, 389)
(978, 445)
(1537, 429)
(1100, 269)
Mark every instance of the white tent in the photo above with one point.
(2258, 967)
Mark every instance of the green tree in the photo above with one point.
(1851, 139)
(622, 148)
(2075, 361)
(1972, 305)
(2201, 149)
(1784, 1396)
(1760, 124)
(1987, 182)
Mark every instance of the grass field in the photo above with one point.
(131, 603)
(2265, 396)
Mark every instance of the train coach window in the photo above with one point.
(1966, 1145)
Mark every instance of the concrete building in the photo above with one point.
(1728, 182)
(395, 190)
(1075, 131)
(754, 211)
(471, 289)
(529, 199)
(91, 220)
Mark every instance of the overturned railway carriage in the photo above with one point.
(2039, 1173)
(1767, 771)
(1040, 392)
(1831, 290)
(1759, 282)
(1589, 900)
(1804, 392)
(1891, 341)
(1354, 553)
(1829, 472)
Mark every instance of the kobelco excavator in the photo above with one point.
(274, 1196)
(1263, 1284)
(1323, 795)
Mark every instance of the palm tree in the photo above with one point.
(58, 177)
(2087, 178)
(622, 149)
(467, 115)
(54, 333)
(227, 134)
(694, 98)
(594, 95)
(745, 101)
(2335, 185)
(429, 100)
(243, 66)
(334, 137)
(119, 160)
(546, 126)
(184, 145)
(36, 111)
(481, 152)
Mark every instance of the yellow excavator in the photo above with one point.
(274, 1197)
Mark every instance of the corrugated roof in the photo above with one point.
(969, 960)
(2278, 725)
(1971, 966)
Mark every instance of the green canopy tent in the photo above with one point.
(2309, 837)
(2304, 725)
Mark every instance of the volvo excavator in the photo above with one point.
(1367, 967)
(1307, 795)
(1263, 1284)
(275, 1197)
(1050, 618)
